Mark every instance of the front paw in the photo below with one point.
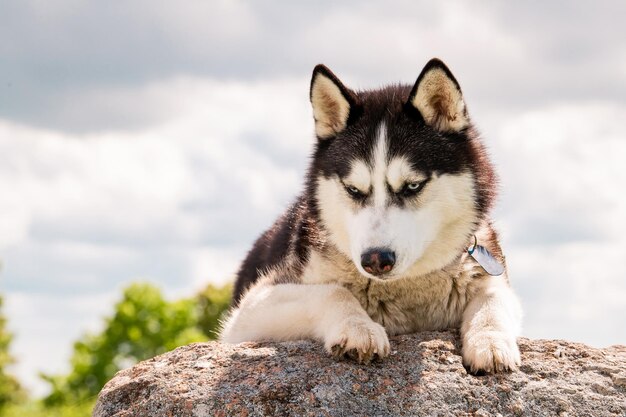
(490, 351)
(359, 338)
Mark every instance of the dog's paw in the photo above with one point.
(490, 351)
(358, 338)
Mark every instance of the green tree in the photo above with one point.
(143, 325)
(213, 302)
(10, 390)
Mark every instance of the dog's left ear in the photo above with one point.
(438, 98)
(332, 102)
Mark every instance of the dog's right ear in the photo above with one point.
(332, 103)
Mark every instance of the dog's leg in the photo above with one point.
(491, 324)
(326, 312)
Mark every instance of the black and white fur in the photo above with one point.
(398, 173)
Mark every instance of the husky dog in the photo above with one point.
(391, 234)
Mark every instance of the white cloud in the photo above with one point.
(127, 182)
(562, 171)
(572, 291)
(562, 216)
(506, 55)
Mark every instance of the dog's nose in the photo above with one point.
(378, 261)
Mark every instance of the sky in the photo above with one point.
(149, 141)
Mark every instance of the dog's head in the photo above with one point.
(399, 177)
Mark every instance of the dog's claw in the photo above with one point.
(359, 339)
(490, 352)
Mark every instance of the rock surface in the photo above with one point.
(423, 376)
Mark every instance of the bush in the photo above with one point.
(143, 325)
(213, 302)
(10, 390)
(34, 409)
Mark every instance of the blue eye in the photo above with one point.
(354, 192)
(411, 188)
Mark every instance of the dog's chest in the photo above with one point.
(431, 302)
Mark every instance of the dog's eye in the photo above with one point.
(354, 192)
(411, 188)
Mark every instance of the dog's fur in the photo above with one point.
(400, 168)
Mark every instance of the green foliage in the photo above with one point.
(35, 409)
(10, 390)
(212, 304)
(143, 325)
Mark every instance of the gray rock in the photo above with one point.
(423, 376)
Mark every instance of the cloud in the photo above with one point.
(573, 291)
(562, 173)
(121, 184)
(561, 215)
(63, 75)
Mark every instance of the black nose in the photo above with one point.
(378, 261)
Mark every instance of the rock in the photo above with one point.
(423, 376)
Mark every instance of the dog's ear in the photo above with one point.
(332, 103)
(438, 98)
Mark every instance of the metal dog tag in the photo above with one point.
(486, 260)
